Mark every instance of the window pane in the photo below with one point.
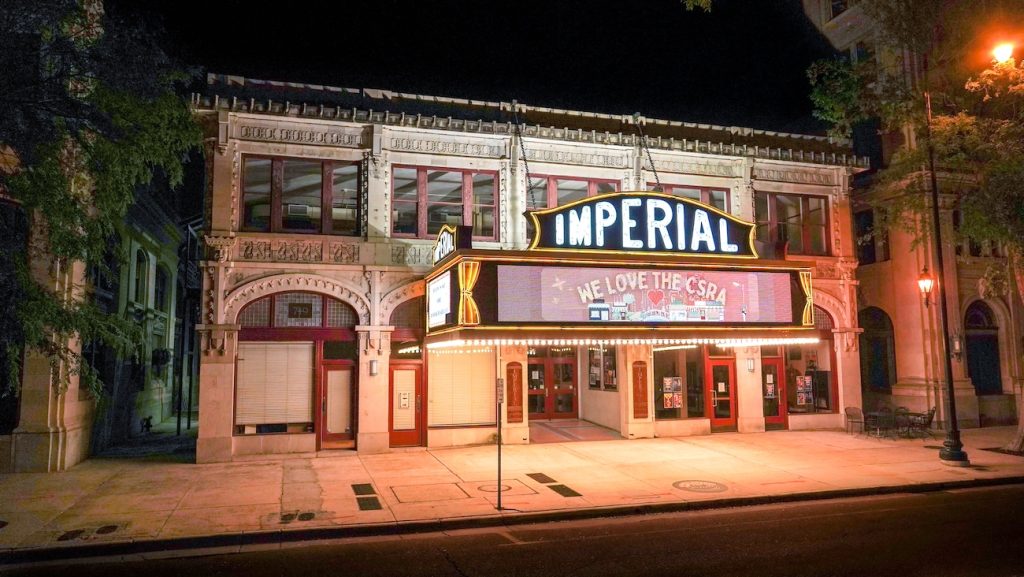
(609, 375)
(256, 194)
(483, 189)
(404, 217)
(692, 193)
(761, 217)
(537, 195)
(444, 186)
(606, 187)
(815, 223)
(788, 216)
(405, 184)
(717, 199)
(345, 200)
(301, 195)
(298, 310)
(483, 221)
(440, 214)
(570, 190)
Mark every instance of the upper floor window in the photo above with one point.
(799, 221)
(552, 191)
(716, 197)
(425, 199)
(872, 242)
(290, 195)
(160, 289)
(141, 275)
(840, 6)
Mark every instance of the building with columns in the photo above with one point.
(323, 211)
(902, 348)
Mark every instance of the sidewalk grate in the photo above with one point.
(71, 535)
(363, 489)
(564, 491)
(369, 503)
(540, 478)
(106, 529)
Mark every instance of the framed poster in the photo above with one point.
(672, 388)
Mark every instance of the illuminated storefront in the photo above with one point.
(373, 272)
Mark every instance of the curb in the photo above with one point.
(232, 542)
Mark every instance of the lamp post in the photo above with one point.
(952, 452)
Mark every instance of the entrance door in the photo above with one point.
(773, 390)
(551, 383)
(405, 422)
(337, 428)
(721, 396)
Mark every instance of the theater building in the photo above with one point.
(383, 269)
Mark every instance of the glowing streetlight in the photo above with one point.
(1003, 52)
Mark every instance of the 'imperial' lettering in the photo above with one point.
(645, 222)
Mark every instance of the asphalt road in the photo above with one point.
(970, 532)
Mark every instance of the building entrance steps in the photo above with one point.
(119, 505)
(569, 431)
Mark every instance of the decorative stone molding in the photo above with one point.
(410, 254)
(693, 166)
(219, 247)
(344, 252)
(994, 283)
(262, 287)
(846, 340)
(778, 174)
(840, 312)
(236, 186)
(444, 144)
(297, 132)
(262, 250)
(410, 290)
(579, 157)
(216, 339)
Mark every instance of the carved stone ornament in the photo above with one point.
(411, 255)
(446, 145)
(577, 157)
(259, 288)
(344, 252)
(261, 250)
(219, 247)
(215, 340)
(692, 166)
(994, 283)
(826, 178)
(299, 133)
(410, 290)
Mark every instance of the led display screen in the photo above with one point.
(582, 295)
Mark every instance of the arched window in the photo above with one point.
(291, 310)
(407, 338)
(983, 349)
(877, 351)
(141, 274)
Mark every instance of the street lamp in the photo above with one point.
(925, 283)
(1003, 52)
(952, 452)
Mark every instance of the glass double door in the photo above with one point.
(720, 379)
(551, 383)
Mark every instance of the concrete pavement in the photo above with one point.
(124, 505)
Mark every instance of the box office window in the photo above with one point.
(797, 221)
(810, 371)
(716, 197)
(425, 199)
(679, 382)
(301, 196)
(460, 387)
(274, 390)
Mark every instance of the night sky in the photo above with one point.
(744, 63)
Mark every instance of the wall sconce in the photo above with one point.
(925, 282)
(373, 367)
(957, 344)
(750, 365)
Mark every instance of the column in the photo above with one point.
(749, 396)
(372, 433)
(219, 349)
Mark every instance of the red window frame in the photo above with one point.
(805, 229)
(326, 196)
(705, 192)
(467, 200)
(551, 187)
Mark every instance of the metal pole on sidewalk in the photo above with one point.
(500, 398)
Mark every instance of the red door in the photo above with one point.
(551, 387)
(773, 389)
(720, 377)
(337, 409)
(405, 417)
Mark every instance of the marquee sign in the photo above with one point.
(645, 223)
(450, 239)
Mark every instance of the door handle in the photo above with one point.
(418, 399)
(714, 398)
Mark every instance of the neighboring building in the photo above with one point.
(901, 348)
(323, 209)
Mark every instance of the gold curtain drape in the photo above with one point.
(469, 272)
(805, 283)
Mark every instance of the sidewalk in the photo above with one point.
(120, 505)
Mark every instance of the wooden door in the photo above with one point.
(720, 376)
(405, 417)
(551, 387)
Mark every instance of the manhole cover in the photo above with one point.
(700, 486)
(106, 529)
(69, 535)
(494, 488)
(306, 516)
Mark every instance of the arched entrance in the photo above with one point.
(877, 353)
(296, 368)
(406, 425)
(982, 335)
